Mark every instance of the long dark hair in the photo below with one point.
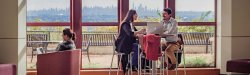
(69, 33)
(129, 17)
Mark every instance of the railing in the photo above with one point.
(98, 38)
(106, 38)
(197, 38)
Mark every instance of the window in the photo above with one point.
(195, 10)
(48, 11)
(100, 22)
(38, 34)
(197, 23)
(101, 46)
(45, 12)
(147, 10)
(99, 11)
(199, 45)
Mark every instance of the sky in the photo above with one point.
(151, 4)
(181, 5)
(195, 5)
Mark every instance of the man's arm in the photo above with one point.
(166, 31)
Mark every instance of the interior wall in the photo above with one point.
(12, 34)
(233, 35)
(240, 29)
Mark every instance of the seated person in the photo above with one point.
(127, 36)
(68, 40)
(170, 33)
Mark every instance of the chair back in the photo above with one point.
(88, 43)
(114, 39)
(181, 41)
(59, 63)
(8, 69)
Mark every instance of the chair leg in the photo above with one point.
(184, 63)
(88, 56)
(111, 63)
(128, 65)
(32, 54)
(130, 61)
(176, 67)
(118, 65)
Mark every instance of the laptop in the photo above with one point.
(154, 28)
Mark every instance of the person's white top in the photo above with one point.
(170, 28)
(132, 27)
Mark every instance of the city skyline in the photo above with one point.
(181, 5)
(109, 14)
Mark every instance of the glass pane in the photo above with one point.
(147, 10)
(99, 11)
(199, 46)
(48, 11)
(101, 46)
(37, 37)
(195, 10)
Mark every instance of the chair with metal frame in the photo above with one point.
(37, 46)
(115, 53)
(180, 50)
(86, 49)
(183, 52)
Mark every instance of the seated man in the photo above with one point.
(170, 34)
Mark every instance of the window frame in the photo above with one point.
(123, 7)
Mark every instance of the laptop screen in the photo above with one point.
(154, 28)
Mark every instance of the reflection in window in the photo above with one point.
(147, 10)
(195, 10)
(48, 11)
(99, 11)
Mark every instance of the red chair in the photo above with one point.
(7, 69)
(59, 63)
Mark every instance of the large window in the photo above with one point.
(48, 11)
(195, 10)
(45, 21)
(101, 39)
(99, 11)
(147, 10)
(47, 18)
(197, 23)
(199, 45)
(42, 39)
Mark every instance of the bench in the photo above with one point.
(197, 38)
(105, 39)
(98, 39)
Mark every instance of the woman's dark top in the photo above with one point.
(126, 38)
(66, 45)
